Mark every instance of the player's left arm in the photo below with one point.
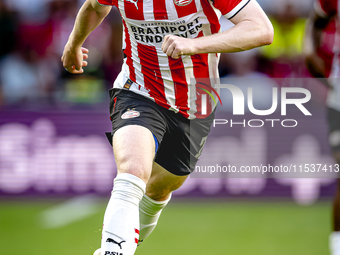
(252, 29)
(90, 16)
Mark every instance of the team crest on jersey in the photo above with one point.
(130, 114)
(182, 2)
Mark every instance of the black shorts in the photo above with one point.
(180, 140)
(333, 117)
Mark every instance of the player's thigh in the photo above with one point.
(136, 125)
(134, 150)
(162, 183)
(183, 145)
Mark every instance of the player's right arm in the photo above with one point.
(317, 22)
(90, 15)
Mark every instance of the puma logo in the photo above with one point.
(110, 240)
(133, 2)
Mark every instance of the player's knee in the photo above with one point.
(161, 193)
(139, 170)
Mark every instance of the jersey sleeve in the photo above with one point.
(229, 8)
(326, 8)
(106, 2)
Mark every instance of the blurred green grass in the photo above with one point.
(242, 228)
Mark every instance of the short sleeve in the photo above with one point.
(229, 8)
(106, 2)
(326, 8)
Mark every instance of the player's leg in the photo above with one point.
(335, 236)
(158, 193)
(334, 135)
(336, 208)
(175, 160)
(134, 150)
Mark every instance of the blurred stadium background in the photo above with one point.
(56, 167)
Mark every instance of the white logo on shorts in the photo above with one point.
(130, 114)
(182, 2)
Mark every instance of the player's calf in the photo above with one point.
(158, 193)
(149, 212)
(121, 221)
(335, 235)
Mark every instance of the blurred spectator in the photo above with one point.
(289, 32)
(302, 7)
(284, 55)
(61, 17)
(24, 77)
(32, 47)
(8, 27)
(30, 11)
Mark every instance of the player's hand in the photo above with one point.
(175, 46)
(73, 59)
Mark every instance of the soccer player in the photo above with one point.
(323, 13)
(157, 117)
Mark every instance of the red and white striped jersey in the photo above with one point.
(328, 9)
(147, 70)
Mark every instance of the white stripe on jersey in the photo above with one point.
(121, 8)
(191, 81)
(148, 10)
(170, 7)
(318, 9)
(169, 86)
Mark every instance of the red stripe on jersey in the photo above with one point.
(134, 9)
(181, 86)
(128, 53)
(226, 6)
(136, 231)
(159, 9)
(114, 105)
(201, 73)
(183, 9)
(152, 75)
(136, 240)
(108, 2)
(212, 17)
